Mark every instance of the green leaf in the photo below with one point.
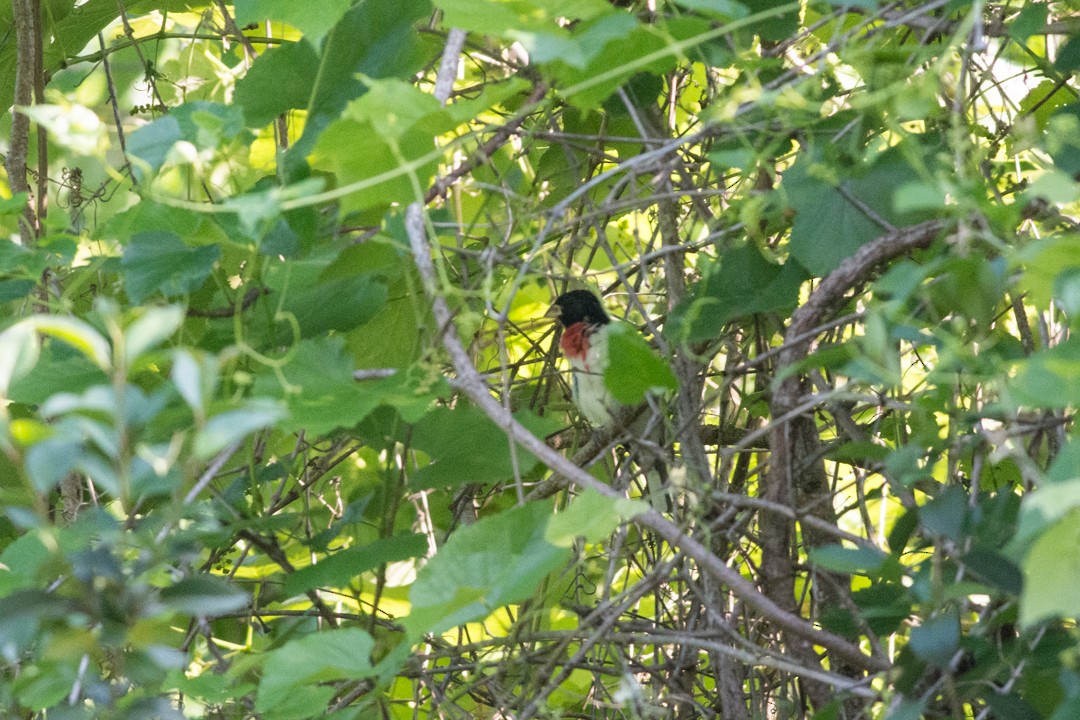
(79, 335)
(161, 262)
(592, 516)
(339, 304)
(642, 49)
(195, 378)
(743, 282)
(230, 426)
(1032, 19)
(376, 39)
(19, 352)
(380, 171)
(578, 50)
(937, 639)
(338, 570)
(153, 327)
(321, 657)
(74, 127)
(42, 685)
(204, 596)
(830, 222)
(634, 369)
(1048, 378)
(499, 560)
(151, 144)
(261, 92)
(466, 447)
(1068, 57)
(322, 394)
(313, 22)
(1052, 573)
(863, 560)
(51, 459)
(1044, 507)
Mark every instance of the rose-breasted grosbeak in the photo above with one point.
(584, 343)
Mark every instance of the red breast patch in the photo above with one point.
(575, 341)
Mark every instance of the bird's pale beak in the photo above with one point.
(554, 312)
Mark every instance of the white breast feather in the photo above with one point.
(590, 395)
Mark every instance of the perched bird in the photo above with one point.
(588, 337)
(584, 342)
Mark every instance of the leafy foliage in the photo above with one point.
(284, 434)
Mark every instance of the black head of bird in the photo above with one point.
(578, 306)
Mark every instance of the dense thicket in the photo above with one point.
(286, 436)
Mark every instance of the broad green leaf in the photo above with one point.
(74, 127)
(634, 369)
(341, 654)
(381, 170)
(162, 262)
(60, 368)
(42, 685)
(15, 289)
(497, 561)
(50, 460)
(775, 27)
(78, 334)
(830, 220)
(466, 447)
(838, 558)
(376, 39)
(339, 304)
(230, 426)
(1048, 378)
(313, 21)
(151, 144)
(322, 394)
(993, 568)
(946, 515)
(1043, 262)
(1052, 573)
(592, 516)
(576, 50)
(148, 216)
(1044, 507)
(742, 283)
(19, 352)
(261, 92)
(936, 640)
(1066, 465)
(1031, 20)
(204, 596)
(394, 107)
(338, 570)
(642, 49)
(1068, 56)
(153, 327)
(1044, 100)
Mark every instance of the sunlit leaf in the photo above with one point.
(634, 369)
(499, 560)
(342, 654)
